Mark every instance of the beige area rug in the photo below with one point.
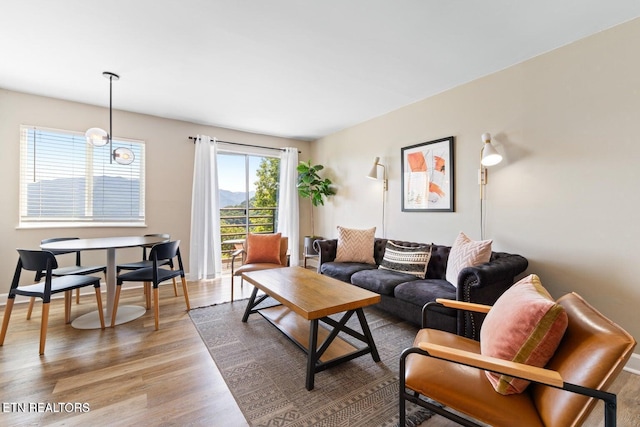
(266, 372)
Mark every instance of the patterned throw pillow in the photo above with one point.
(406, 259)
(355, 245)
(466, 253)
(525, 325)
(263, 248)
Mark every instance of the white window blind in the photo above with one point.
(64, 180)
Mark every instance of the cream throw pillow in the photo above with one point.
(466, 253)
(355, 245)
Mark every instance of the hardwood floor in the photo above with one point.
(132, 374)
(127, 375)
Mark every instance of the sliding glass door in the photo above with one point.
(248, 197)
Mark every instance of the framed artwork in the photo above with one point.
(427, 176)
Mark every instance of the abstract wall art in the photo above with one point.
(427, 176)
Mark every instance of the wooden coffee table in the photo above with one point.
(308, 298)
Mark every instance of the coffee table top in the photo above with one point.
(308, 293)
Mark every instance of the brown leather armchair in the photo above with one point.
(254, 266)
(448, 369)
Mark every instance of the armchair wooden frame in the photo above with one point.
(543, 376)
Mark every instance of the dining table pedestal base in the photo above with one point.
(91, 320)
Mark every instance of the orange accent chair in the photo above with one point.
(260, 252)
(449, 370)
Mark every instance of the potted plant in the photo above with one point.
(315, 188)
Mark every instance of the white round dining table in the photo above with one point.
(126, 313)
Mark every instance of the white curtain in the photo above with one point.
(288, 214)
(205, 257)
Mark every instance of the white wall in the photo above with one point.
(169, 171)
(566, 194)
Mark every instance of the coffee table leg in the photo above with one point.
(250, 305)
(311, 359)
(367, 333)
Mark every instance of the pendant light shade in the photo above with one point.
(123, 156)
(97, 137)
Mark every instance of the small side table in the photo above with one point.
(307, 256)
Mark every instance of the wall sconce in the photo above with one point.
(373, 174)
(99, 137)
(489, 156)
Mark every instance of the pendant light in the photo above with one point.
(99, 137)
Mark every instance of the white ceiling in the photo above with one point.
(293, 68)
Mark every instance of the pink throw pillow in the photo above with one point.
(525, 325)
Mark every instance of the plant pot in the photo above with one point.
(308, 245)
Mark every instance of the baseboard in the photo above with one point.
(633, 365)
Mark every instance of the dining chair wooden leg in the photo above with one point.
(116, 298)
(156, 306)
(78, 296)
(5, 320)
(175, 285)
(43, 326)
(147, 294)
(186, 293)
(67, 306)
(32, 302)
(100, 311)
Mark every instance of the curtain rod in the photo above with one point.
(244, 145)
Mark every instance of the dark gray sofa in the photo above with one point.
(404, 295)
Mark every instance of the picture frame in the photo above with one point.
(427, 176)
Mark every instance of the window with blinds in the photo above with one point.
(66, 181)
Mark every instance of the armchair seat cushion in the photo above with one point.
(433, 377)
(344, 270)
(380, 281)
(245, 268)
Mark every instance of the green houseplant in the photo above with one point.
(315, 188)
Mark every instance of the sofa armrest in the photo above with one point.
(483, 284)
(326, 250)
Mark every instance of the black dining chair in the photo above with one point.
(78, 268)
(154, 275)
(45, 261)
(146, 262)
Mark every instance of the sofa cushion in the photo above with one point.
(420, 292)
(344, 270)
(355, 245)
(525, 325)
(380, 281)
(466, 253)
(406, 259)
